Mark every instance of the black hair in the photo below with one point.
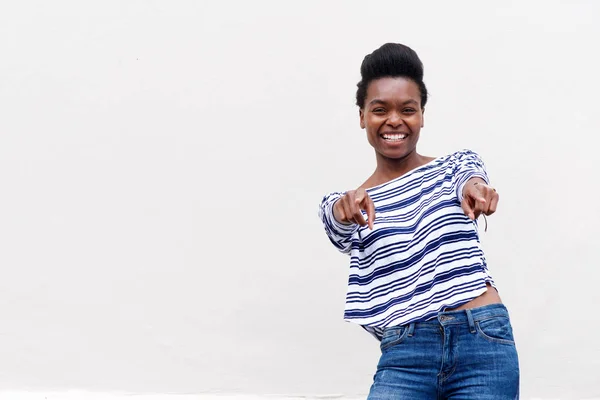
(390, 60)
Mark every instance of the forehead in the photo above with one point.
(393, 90)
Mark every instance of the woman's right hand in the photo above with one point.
(347, 210)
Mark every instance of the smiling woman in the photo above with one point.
(418, 280)
(393, 118)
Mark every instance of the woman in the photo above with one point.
(418, 278)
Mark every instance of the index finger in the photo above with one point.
(365, 203)
(369, 207)
(358, 218)
(467, 209)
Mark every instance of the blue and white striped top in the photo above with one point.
(423, 254)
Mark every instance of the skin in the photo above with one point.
(393, 106)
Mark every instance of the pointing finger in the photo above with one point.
(359, 217)
(369, 207)
(466, 206)
(468, 210)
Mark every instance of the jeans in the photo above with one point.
(465, 354)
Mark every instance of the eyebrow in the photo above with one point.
(379, 101)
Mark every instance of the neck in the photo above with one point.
(388, 169)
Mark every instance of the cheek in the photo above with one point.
(373, 124)
(416, 124)
(372, 130)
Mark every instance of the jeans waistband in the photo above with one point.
(468, 317)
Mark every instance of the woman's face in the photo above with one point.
(392, 116)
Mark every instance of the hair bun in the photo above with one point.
(391, 60)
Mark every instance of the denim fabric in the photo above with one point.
(466, 354)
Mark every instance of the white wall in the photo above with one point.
(161, 163)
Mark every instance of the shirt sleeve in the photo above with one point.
(339, 234)
(469, 165)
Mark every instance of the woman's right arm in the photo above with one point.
(341, 216)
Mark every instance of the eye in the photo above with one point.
(378, 110)
(409, 111)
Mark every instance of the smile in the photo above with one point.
(393, 137)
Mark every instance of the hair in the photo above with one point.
(390, 60)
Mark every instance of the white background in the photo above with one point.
(161, 164)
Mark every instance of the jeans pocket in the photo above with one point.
(496, 329)
(393, 336)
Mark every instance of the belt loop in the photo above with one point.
(471, 322)
(411, 329)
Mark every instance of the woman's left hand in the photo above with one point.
(479, 198)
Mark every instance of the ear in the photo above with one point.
(422, 117)
(362, 118)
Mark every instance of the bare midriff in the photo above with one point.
(491, 296)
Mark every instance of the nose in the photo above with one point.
(395, 119)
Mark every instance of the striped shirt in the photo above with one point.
(423, 254)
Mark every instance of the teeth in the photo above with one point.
(394, 136)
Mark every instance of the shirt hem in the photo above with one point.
(376, 330)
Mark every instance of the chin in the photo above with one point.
(394, 155)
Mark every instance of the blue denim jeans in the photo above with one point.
(466, 354)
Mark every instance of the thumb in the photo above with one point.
(359, 195)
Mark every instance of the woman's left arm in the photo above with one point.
(479, 198)
(475, 194)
